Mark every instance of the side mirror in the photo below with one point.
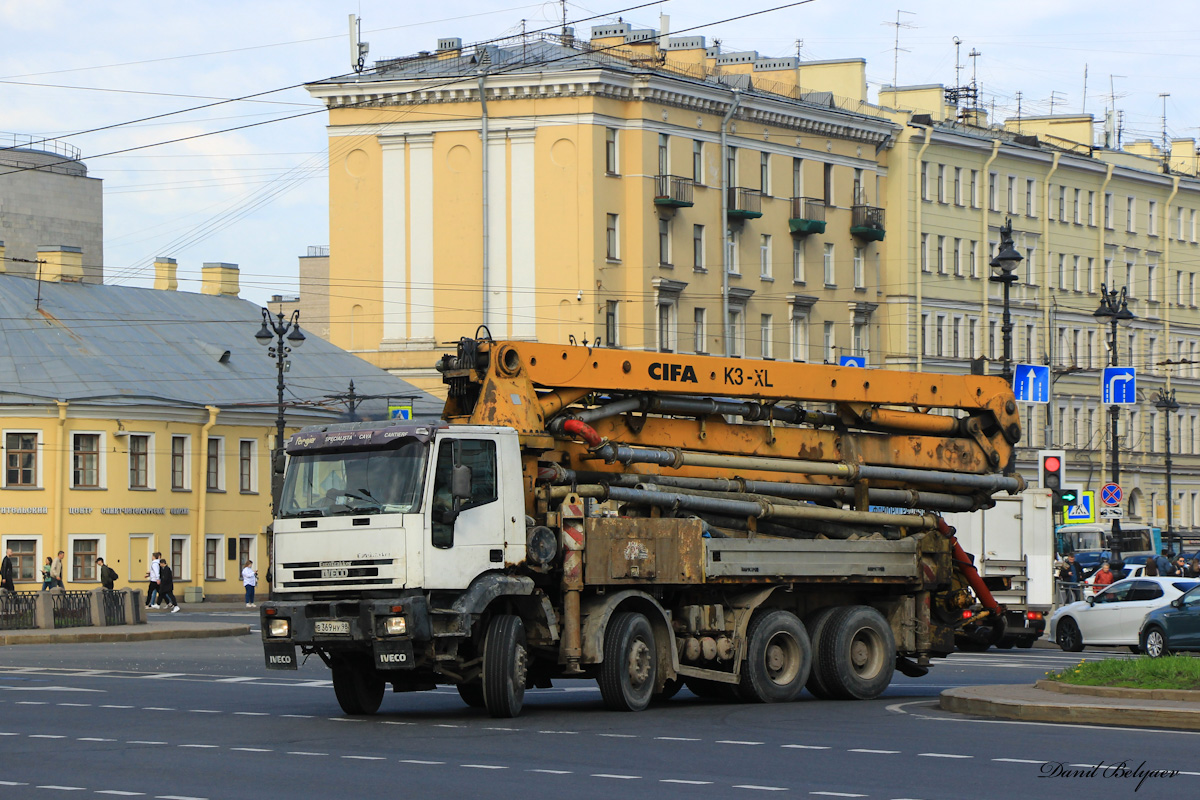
(1091, 601)
(1177, 602)
(460, 482)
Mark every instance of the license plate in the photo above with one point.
(331, 572)
(332, 626)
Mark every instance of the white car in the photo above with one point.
(1129, 571)
(1114, 615)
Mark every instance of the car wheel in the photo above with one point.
(1068, 636)
(1154, 643)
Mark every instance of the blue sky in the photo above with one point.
(258, 196)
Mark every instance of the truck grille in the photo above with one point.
(303, 574)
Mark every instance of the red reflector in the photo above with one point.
(1052, 463)
(270, 612)
(967, 614)
(1033, 615)
(397, 609)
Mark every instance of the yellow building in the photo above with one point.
(135, 421)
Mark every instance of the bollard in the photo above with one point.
(96, 607)
(43, 615)
(134, 610)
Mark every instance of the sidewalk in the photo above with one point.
(1050, 701)
(160, 624)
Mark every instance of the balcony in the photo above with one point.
(744, 203)
(673, 191)
(866, 222)
(808, 216)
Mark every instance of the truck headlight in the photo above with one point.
(395, 626)
(279, 628)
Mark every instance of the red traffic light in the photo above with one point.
(1051, 464)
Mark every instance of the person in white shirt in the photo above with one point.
(152, 590)
(249, 580)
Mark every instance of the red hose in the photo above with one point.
(964, 565)
(583, 431)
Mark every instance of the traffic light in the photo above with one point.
(1051, 466)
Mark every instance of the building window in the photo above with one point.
(860, 272)
(925, 334)
(610, 150)
(1012, 194)
(764, 173)
(828, 185)
(993, 196)
(1130, 208)
(1076, 210)
(612, 252)
(610, 324)
(1153, 219)
(1030, 266)
(974, 188)
(85, 461)
(764, 256)
(666, 327)
(83, 559)
(764, 330)
(212, 470)
(958, 194)
(139, 462)
(698, 248)
(800, 337)
(20, 459)
(829, 273)
(941, 255)
(1076, 276)
(737, 333)
(699, 323)
(1091, 209)
(664, 151)
(830, 344)
(1151, 282)
(24, 558)
(861, 338)
(246, 459)
(924, 180)
(212, 550)
(178, 547)
(1062, 204)
(941, 183)
(732, 263)
(179, 462)
(956, 257)
(797, 177)
(925, 252)
(698, 162)
(1030, 198)
(664, 243)
(798, 260)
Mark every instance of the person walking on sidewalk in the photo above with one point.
(249, 580)
(6, 571)
(56, 570)
(107, 575)
(47, 581)
(166, 585)
(152, 590)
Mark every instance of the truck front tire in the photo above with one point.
(628, 672)
(857, 653)
(778, 658)
(504, 666)
(358, 686)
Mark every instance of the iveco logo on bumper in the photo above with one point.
(279, 659)
(680, 373)
(393, 658)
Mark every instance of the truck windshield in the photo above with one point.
(354, 482)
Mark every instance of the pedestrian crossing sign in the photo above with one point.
(1084, 510)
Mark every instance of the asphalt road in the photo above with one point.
(204, 719)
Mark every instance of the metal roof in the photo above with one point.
(121, 345)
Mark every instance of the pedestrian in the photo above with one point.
(249, 580)
(1163, 562)
(47, 581)
(1104, 575)
(166, 585)
(1151, 570)
(152, 575)
(6, 571)
(1181, 569)
(107, 575)
(56, 570)
(1194, 567)
(1070, 575)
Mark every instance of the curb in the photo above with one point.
(89, 636)
(1183, 695)
(982, 701)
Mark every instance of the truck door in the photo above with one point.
(456, 551)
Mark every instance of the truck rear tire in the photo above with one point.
(504, 666)
(630, 663)
(857, 655)
(472, 693)
(358, 686)
(815, 623)
(778, 658)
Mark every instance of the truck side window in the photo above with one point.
(480, 456)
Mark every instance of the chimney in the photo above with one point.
(164, 274)
(63, 263)
(219, 278)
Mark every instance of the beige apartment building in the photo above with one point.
(654, 192)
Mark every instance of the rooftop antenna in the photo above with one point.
(958, 67)
(974, 56)
(1165, 147)
(1083, 106)
(897, 49)
(358, 48)
(563, 5)
(1018, 96)
(1054, 98)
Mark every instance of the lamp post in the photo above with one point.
(1004, 266)
(1166, 403)
(1114, 310)
(279, 336)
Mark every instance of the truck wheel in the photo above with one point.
(358, 687)
(1068, 636)
(630, 662)
(815, 623)
(472, 693)
(857, 653)
(504, 666)
(778, 658)
(1155, 643)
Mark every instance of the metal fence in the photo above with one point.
(114, 608)
(18, 610)
(72, 610)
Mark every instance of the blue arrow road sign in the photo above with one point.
(852, 361)
(1032, 383)
(1119, 386)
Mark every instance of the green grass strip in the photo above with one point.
(1169, 672)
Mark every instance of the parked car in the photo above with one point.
(1173, 627)
(1114, 616)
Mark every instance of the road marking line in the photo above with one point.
(235, 680)
(551, 771)
(686, 783)
(76, 705)
(486, 729)
(943, 755)
(393, 722)
(805, 746)
(156, 708)
(735, 741)
(1181, 772)
(296, 716)
(675, 739)
(12, 783)
(838, 794)
(445, 725)
(37, 703)
(418, 761)
(253, 749)
(160, 675)
(251, 713)
(345, 719)
(63, 788)
(120, 793)
(1089, 766)
(199, 746)
(481, 766)
(617, 777)
(177, 797)
(94, 739)
(618, 735)
(1019, 760)
(764, 788)
(569, 733)
(880, 752)
(45, 736)
(6, 733)
(365, 758)
(116, 706)
(203, 711)
(139, 741)
(305, 753)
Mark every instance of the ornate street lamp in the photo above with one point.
(1004, 267)
(279, 336)
(1166, 403)
(1114, 310)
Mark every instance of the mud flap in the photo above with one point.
(280, 655)
(394, 655)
